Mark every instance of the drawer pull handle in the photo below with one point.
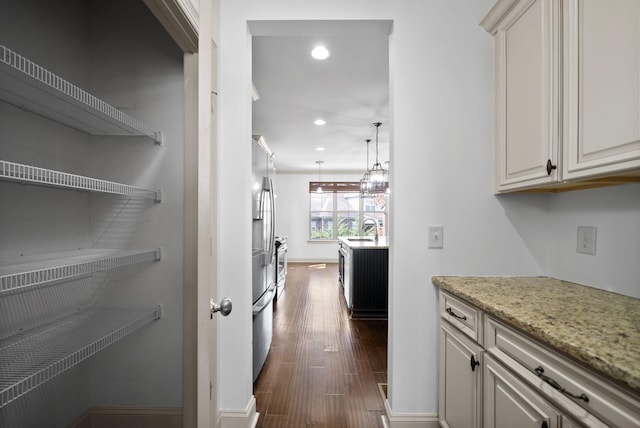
(539, 371)
(474, 363)
(453, 314)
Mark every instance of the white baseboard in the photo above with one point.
(408, 420)
(241, 418)
(166, 417)
(141, 417)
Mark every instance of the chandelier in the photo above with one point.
(365, 185)
(378, 181)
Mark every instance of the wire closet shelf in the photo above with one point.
(32, 358)
(32, 87)
(28, 273)
(22, 173)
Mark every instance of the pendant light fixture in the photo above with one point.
(319, 189)
(365, 185)
(378, 179)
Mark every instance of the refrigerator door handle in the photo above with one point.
(272, 250)
(259, 214)
(264, 301)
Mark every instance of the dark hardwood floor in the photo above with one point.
(323, 368)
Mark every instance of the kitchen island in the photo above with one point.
(577, 347)
(364, 275)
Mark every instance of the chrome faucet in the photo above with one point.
(374, 222)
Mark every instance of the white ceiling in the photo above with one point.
(350, 90)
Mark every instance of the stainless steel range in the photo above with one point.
(281, 265)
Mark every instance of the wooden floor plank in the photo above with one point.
(323, 368)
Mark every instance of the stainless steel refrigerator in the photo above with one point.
(263, 253)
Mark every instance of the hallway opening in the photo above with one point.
(323, 368)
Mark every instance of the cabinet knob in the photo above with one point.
(474, 363)
(544, 424)
(550, 167)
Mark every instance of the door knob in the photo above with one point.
(224, 307)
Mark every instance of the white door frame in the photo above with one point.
(193, 33)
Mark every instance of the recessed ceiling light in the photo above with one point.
(320, 122)
(320, 149)
(320, 52)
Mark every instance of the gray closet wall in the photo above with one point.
(118, 52)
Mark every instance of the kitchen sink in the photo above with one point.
(360, 239)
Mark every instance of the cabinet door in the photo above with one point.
(509, 403)
(460, 401)
(601, 87)
(526, 95)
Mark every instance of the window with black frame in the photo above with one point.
(338, 209)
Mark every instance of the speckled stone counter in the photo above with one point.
(598, 328)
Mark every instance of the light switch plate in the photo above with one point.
(435, 236)
(586, 242)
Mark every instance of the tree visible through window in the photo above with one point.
(321, 209)
(339, 211)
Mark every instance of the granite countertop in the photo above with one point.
(598, 328)
(381, 244)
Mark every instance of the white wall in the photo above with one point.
(442, 117)
(292, 220)
(615, 211)
(235, 363)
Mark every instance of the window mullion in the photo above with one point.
(360, 213)
(335, 215)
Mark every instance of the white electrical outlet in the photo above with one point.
(586, 243)
(435, 238)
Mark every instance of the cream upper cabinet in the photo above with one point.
(526, 46)
(601, 87)
(567, 93)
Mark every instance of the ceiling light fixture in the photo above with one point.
(319, 149)
(320, 122)
(319, 189)
(377, 174)
(320, 53)
(365, 185)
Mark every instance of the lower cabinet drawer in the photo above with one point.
(464, 317)
(508, 402)
(578, 391)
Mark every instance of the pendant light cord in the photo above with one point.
(319, 188)
(377, 125)
(377, 129)
(367, 164)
